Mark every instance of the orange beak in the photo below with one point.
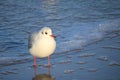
(53, 36)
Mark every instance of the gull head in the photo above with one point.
(46, 32)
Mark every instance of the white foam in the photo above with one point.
(81, 37)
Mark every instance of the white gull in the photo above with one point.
(42, 44)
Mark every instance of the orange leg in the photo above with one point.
(35, 65)
(49, 61)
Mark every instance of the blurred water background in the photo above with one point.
(76, 23)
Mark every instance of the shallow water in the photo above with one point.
(75, 23)
(93, 63)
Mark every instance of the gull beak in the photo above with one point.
(53, 36)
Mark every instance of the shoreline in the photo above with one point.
(92, 63)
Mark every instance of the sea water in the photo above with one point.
(76, 24)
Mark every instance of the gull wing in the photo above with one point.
(31, 39)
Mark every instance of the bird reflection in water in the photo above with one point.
(43, 76)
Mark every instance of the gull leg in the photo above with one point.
(35, 65)
(49, 61)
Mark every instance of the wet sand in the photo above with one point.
(99, 61)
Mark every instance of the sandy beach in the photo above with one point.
(99, 61)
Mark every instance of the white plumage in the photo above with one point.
(42, 43)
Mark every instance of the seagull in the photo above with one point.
(42, 44)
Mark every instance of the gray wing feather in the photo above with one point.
(31, 39)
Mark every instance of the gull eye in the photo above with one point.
(46, 33)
